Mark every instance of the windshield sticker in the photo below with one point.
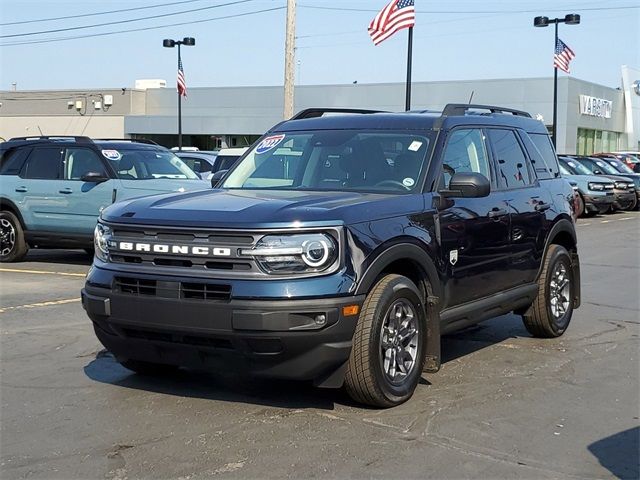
(571, 164)
(112, 154)
(408, 182)
(415, 146)
(269, 143)
(600, 164)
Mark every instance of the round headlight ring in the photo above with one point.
(315, 253)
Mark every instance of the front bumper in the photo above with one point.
(273, 338)
(625, 200)
(598, 203)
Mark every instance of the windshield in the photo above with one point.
(563, 170)
(605, 167)
(334, 160)
(148, 164)
(619, 166)
(577, 168)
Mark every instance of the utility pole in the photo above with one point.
(289, 59)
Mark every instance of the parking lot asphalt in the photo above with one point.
(504, 405)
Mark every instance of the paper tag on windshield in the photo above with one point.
(268, 143)
(415, 146)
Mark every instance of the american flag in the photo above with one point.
(182, 84)
(398, 14)
(563, 56)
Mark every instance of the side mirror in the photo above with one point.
(216, 177)
(467, 185)
(94, 177)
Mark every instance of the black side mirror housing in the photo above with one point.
(94, 177)
(467, 185)
(216, 177)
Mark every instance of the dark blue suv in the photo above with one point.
(340, 248)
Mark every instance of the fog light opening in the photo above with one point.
(320, 320)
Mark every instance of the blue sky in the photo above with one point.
(472, 40)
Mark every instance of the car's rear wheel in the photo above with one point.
(13, 246)
(551, 312)
(387, 356)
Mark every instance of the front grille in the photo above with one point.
(184, 257)
(167, 289)
(135, 286)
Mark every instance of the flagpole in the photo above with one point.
(555, 94)
(179, 107)
(409, 56)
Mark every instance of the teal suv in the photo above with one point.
(52, 189)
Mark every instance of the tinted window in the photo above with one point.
(465, 152)
(80, 161)
(225, 162)
(512, 164)
(546, 166)
(11, 161)
(44, 163)
(197, 164)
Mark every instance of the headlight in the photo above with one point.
(303, 253)
(621, 185)
(596, 186)
(100, 241)
(631, 185)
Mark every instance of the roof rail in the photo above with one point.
(133, 140)
(457, 109)
(54, 137)
(318, 112)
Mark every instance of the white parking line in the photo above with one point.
(42, 272)
(40, 304)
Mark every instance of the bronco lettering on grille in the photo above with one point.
(174, 249)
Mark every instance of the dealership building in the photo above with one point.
(591, 117)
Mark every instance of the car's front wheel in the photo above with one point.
(551, 312)
(13, 246)
(387, 356)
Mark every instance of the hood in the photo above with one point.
(582, 180)
(136, 188)
(262, 208)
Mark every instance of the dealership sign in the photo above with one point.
(596, 107)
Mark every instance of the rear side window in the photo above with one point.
(546, 164)
(80, 161)
(512, 163)
(44, 164)
(11, 161)
(225, 162)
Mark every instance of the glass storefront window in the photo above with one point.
(596, 141)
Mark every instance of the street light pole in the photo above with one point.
(569, 19)
(168, 43)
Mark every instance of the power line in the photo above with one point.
(51, 19)
(350, 9)
(60, 39)
(130, 20)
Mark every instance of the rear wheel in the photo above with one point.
(387, 357)
(13, 246)
(549, 315)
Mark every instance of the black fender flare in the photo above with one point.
(12, 207)
(400, 251)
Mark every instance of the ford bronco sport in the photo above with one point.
(340, 249)
(53, 188)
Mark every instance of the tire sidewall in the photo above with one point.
(18, 245)
(559, 255)
(400, 288)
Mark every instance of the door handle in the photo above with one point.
(541, 207)
(497, 212)
(21, 189)
(66, 191)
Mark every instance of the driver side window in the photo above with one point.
(465, 152)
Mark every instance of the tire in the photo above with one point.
(13, 246)
(579, 212)
(368, 378)
(148, 368)
(547, 318)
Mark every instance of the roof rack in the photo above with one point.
(132, 140)
(54, 137)
(457, 109)
(319, 112)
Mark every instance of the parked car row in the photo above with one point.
(630, 159)
(603, 184)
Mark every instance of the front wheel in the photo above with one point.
(550, 313)
(13, 246)
(388, 356)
